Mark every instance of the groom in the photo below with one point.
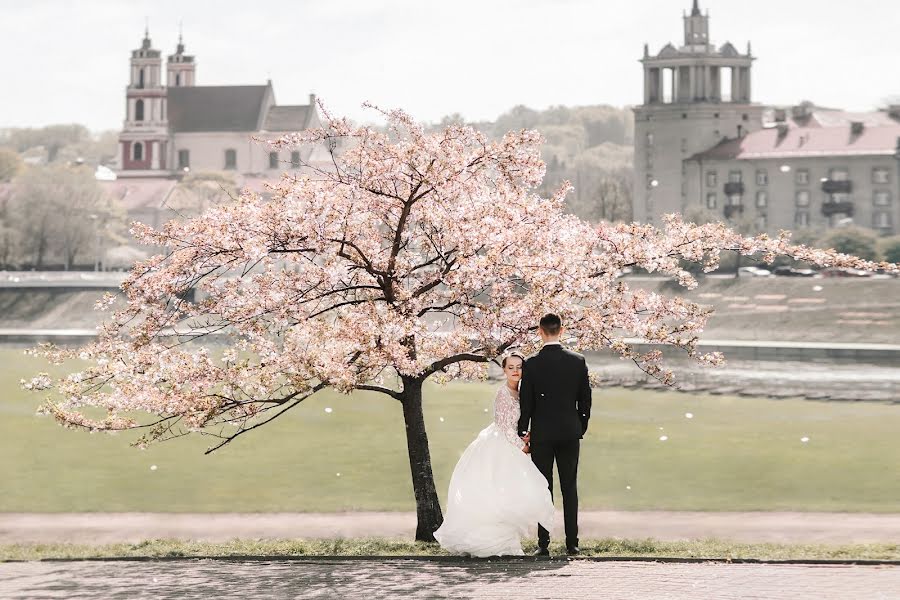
(555, 397)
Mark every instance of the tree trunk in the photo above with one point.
(428, 506)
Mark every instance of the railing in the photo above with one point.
(832, 208)
(830, 186)
(731, 209)
(734, 188)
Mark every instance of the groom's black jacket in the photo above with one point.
(555, 395)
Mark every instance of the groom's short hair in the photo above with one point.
(551, 324)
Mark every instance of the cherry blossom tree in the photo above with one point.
(410, 256)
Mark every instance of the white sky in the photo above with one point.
(67, 60)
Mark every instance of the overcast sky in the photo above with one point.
(67, 60)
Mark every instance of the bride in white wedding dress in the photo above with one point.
(496, 492)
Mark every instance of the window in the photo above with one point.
(761, 223)
(273, 160)
(838, 174)
(801, 218)
(882, 220)
(711, 179)
(880, 175)
(762, 177)
(710, 201)
(141, 78)
(177, 79)
(735, 200)
(881, 198)
(230, 159)
(803, 198)
(295, 159)
(762, 199)
(139, 110)
(184, 159)
(735, 177)
(137, 151)
(802, 177)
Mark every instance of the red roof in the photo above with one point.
(827, 133)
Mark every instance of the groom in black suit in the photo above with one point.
(555, 399)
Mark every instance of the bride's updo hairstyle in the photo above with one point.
(506, 357)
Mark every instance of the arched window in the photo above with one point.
(138, 151)
(139, 110)
(177, 79)
(141, 78)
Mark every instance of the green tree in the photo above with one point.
(10, 164)
(890, 249)
(62, 215)
(852, 240)
(51, 137)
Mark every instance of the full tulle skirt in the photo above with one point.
(496, 495)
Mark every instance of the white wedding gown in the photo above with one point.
(496, 492)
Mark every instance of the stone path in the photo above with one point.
(787, 527)
(372, 579)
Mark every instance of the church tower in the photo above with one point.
(142, 142)
(694, 96)
(180, 67)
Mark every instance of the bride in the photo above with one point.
(496, 492)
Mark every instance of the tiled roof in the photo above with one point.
(828, 134)
(287, 118)
(216, 107)
(139, 192)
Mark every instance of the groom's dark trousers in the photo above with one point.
(555, 403)
(566, 456)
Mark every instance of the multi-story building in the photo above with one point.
(810, 168)
(177, 126)
(702, 145)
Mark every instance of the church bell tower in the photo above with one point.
(142, 142)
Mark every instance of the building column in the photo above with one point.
(707, 83)
(647, 94)
(735, 84)
(154, 155)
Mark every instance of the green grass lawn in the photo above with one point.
(734, 454)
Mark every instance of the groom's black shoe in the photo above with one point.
(541, 551)
(573, 550)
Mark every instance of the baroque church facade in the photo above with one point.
(702, 145)
(173, 126)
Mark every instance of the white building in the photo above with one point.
(177, 126)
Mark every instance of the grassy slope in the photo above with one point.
(735, 454)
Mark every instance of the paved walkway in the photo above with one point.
(375, 579)
(101, 528)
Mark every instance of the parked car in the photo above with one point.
(786, 271)
(754, 272)
(842, 272)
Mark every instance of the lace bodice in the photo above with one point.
(506, 416)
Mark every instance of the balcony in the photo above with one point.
(830, 186)
(734, 188)
(733, 209)
(844, 207)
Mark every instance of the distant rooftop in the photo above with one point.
(813, 133)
